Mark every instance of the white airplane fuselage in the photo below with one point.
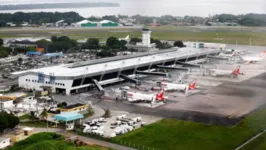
(133, 97)
(218, 72)
(252, 59)
(174, 87)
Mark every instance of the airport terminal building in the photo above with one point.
(70, 78)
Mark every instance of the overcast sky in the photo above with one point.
(174, 7)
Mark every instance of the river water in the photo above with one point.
(158, 7)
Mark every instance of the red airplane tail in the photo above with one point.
(236, 71)
(192, 85)
(160, 96)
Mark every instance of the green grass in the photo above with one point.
(34, 124)
(24, 117)
(257, 144)
(172, 33)
(49, 141)
(182, 135)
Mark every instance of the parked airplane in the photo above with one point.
(135, 97)
(219, 72)
(228, 55)
(125, 39)
(254, 59)
(178, 87)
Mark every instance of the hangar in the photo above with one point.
(69, 78)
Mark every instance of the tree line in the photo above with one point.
(38, 18)
(7, 121)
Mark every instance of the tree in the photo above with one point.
(113, 43)
(1, 42)
(179, 44)
(105, 53)
(2, 23)
(44, 114)
(135, 40)
(43, 42)
(64, 104)
(90, 110)
(7, 121)
(111, 18)
(107, 113)
(91, 43)
(54, 38)
(123, 44)
(33, 116)
(20, 61)
(3, 52)
(132, 50)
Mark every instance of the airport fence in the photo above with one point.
(114, 141)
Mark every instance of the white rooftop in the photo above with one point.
(106, 21)
(66, 70)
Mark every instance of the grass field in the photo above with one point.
(34, 124)
(50, 141)
(162, 33)
(24, 117)
(182, 135)
(257, 144)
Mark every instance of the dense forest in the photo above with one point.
(56, 5)
(38, 18)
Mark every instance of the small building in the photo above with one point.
(33, 53)
(17, 136)
(28, 131)
(4, 142)
(74, 108)
(22, 44)
(5, 104)
(68, 117)
(108, 23)
(85, 23)
(11, 24)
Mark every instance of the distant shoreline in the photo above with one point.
(56, 5)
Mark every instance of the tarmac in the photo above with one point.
(222, 101)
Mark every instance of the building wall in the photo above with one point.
(76, 109)
(31, 82)
(4, 143)
(89, 25)
(6, 104)
(109, 25)
(146, 38)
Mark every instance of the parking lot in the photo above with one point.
(119, 123)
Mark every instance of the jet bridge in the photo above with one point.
(129, 79)
(188, 64)
(217, 58)
(153, 73)
(172, 68)
(98, 86)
